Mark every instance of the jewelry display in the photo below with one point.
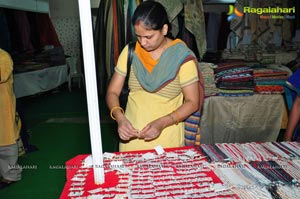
(222, 170)
(288, 192)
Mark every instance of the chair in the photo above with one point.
(74, 72)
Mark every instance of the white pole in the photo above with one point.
(91, 88)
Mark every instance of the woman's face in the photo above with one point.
(150, 39)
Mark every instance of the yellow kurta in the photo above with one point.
(9, 131)
(144, 107)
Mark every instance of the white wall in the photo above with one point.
(65, 18)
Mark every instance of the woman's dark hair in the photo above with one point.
(152, 14)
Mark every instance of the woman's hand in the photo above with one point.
(152, 130)
(126, 130)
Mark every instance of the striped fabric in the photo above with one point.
(192, 123)
(192, 130)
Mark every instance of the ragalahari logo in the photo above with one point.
(233, 13)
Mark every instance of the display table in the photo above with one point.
(254, 118)
(33, 82)
(188, 172)
(143, 174)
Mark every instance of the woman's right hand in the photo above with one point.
(126, 130)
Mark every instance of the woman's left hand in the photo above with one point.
(151, 130)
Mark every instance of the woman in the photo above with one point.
(163, 82)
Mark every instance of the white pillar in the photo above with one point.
(91, 88)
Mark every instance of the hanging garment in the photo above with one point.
(173, 8)
(20, 32)
(101, 48)
(213, 26)
(5, 42)
(46, 30)
(195, 23)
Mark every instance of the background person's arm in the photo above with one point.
(293, 120)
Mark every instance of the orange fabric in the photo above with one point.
(146, 58)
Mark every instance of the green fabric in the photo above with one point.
(165, 70)
(131, 8)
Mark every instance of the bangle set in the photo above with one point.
(115, 108)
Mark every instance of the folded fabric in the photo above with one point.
(269, 89)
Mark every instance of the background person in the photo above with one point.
(293, 121)
(10, 171)
(293, 83)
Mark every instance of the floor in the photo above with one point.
(57, 122)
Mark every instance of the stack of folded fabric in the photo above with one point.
(269, 80)
(208, 75)
(234, 79)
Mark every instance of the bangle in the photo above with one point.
(113, 109)
(175, 119)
